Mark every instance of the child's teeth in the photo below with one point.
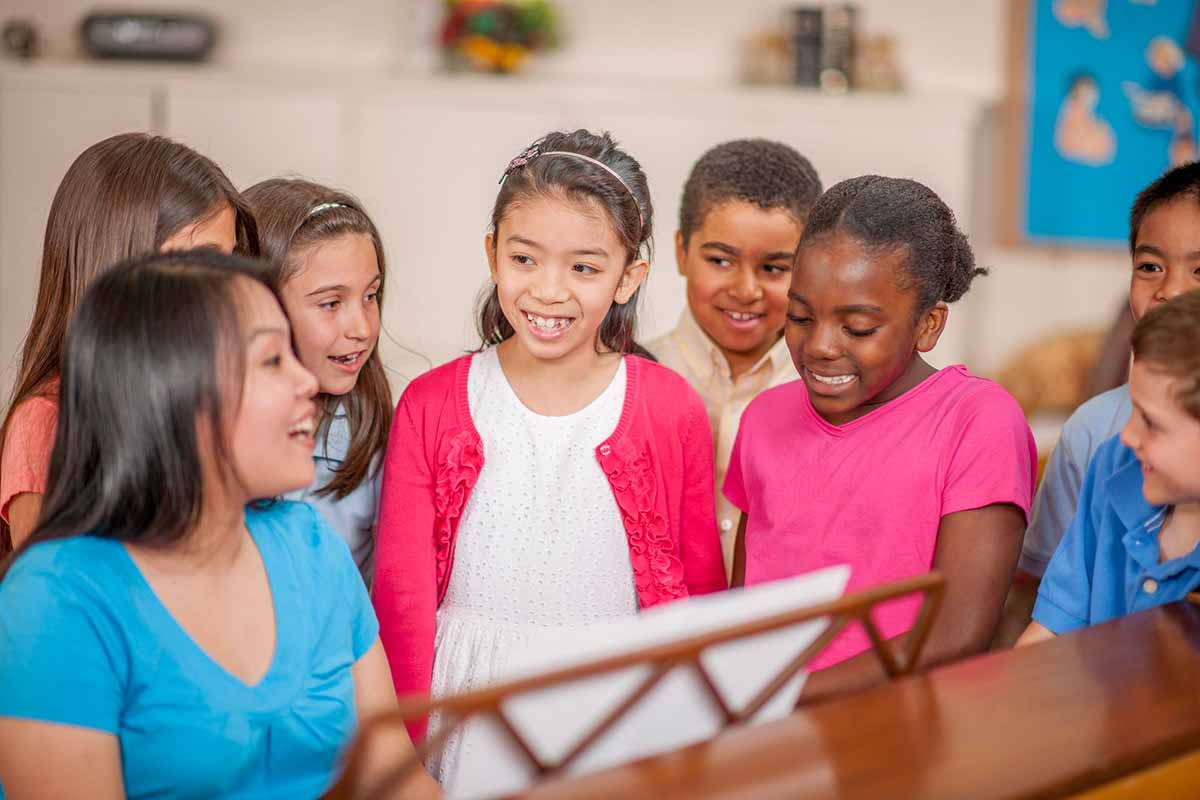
(836, 380)
(547, 323)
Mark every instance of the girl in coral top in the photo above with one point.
(555, 478)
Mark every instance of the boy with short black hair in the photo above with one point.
(743, 209)
(1164, 243)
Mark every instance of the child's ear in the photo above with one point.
(634, 275)
(930, 327)
(680, 253)
(489, 247)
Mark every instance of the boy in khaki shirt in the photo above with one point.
(743, 210)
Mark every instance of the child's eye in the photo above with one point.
(584, 269)
(329, 305)
(524, 261)
(861, 334)
(273, 361)
(796, 319)
(720, 262)
(776, 269)
(372, 297)
(1148, 267)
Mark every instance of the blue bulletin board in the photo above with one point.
(1113, 101)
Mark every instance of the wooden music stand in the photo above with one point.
(662, 659)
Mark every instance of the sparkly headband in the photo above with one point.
(535, 151)
(324, 207)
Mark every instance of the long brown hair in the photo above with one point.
(289, 229)
(122, 197)
(626, 202)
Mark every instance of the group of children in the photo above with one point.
(200, 358)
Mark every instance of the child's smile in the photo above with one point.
(853, 332)
(547, 327)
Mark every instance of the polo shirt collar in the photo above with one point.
(706, 357)
(1143, 522)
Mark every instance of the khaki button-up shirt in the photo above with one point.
(689, 351)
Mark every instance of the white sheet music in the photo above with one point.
(677, 712)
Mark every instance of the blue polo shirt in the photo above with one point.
(1108, 564)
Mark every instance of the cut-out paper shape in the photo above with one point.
(1090, 15)
(1080, 134)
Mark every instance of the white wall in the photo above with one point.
(949, 50)
(944, 44)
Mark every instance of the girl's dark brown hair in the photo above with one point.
(628, 209)
(1168, 338)
(289, 230)
(122, 197)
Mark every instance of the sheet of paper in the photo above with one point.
(677, 712)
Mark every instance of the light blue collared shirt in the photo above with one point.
(1093, 423)
(352, 517)
(1108, 563)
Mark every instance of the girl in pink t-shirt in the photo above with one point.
(874, 458)
(130, 194)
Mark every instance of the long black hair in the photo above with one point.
(151, 359)
(627, 206)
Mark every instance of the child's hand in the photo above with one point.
(1036, 632)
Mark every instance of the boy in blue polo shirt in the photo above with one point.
(1132, 544)
(1164, 233)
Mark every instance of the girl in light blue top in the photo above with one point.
(163, 633)
(329, 273)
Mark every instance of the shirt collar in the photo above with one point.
(1143, 522)
(1124, 489)
(704, 356)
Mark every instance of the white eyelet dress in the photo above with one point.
(540, 547)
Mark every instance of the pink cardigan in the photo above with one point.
(659, 461)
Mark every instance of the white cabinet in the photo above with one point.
(257, 132)
(425, 154)
(43, 127)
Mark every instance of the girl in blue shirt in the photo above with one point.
(162, 634)
(329, 273)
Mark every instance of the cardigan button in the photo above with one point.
(1151, 586)
(605, 450)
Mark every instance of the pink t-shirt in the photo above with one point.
(872, 493)
(27, 445)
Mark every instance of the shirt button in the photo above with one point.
(1150, 586)
(726, 524)
(605, 449)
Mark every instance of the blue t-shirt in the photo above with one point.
(1092, 424)
(85, 641)
(1108, 563)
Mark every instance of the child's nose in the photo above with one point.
(746, 288)
(357, 325)
(822, 343)
(549, 286)
(1129, 436)
(1179, 283)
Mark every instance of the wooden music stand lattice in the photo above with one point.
(684, 654)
